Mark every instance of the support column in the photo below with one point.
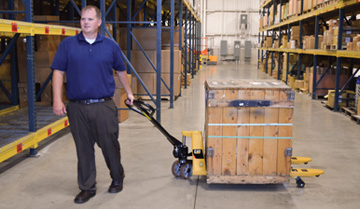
(114, 25)
(185, 46)
(338, 60)
(315, 57)
(158, 60)
(300, 42)
(190, 44)
(180, 37)
(103, 12)
(288, 56)
(128, 36)
(83, 3)
(172, 25)
(30, 68)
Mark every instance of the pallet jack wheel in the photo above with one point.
(176, 168)
(300, 183)
(186, 170)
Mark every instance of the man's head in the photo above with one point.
(90, 20)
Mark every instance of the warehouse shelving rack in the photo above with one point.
(337, 10)
(16, 137)
(36, 132)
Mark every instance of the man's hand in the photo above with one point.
(59, 108)
(130, 99)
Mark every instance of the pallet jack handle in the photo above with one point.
(148, 111)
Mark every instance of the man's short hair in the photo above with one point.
(97, 10)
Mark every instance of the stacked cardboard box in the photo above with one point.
(328, 81)
(268, 42)
(119, 97)
(165, 38)
(45, 49)
(147, 38)
(295, 35)
(5, 77)
(148, 74)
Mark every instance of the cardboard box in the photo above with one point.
(342, 98)
(299, 84)
(119, 98)
(165, 61)
(165, 37)
(134, 83)
(358, 108)
(268, 42)
(149, 81)
(177, 83)
(23, 95)
(140, 62)
(45, 43)
(117, 81)
(146, 37)
(44, 59)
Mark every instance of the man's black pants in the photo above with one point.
(90, 123)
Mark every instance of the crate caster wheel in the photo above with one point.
(176, 169)
(186, 170)
(300, 183)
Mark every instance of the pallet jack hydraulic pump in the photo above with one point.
(185, 167)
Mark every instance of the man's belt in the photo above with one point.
(90, 101)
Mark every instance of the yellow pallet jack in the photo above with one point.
(185, 168)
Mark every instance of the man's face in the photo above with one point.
(89, 22)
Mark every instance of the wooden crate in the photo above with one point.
(246, 140)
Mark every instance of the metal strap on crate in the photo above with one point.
(250, 124)
(251, 137)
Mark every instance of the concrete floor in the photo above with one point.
(331, 139)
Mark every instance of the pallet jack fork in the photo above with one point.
(184, 167)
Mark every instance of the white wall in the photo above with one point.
(221, 21)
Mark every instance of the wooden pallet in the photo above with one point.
(327, 47)
(320, 96)
(327, 3)
(349, 111)
(356, 118)
(333, 47)
(326, 104)
(306, 11)
(304, 91)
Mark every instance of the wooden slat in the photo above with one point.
(242, 165)
(215, 116)
(247, 179)
(285, 116)
(256, 145)
(270, 145)
(228, 144)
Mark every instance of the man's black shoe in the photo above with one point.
(116, 186)
(84, 196)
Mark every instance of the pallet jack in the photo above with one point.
(185, 167)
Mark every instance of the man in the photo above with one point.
(88, 59)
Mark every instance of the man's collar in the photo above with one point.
(99, 37)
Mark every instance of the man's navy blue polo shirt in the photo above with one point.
(88, 67)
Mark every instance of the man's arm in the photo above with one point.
(59, 108)
(125, 83)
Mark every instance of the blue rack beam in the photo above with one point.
(186, 46)
(158, 60)
(338, 60)
(172, 23)
(315, 56)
